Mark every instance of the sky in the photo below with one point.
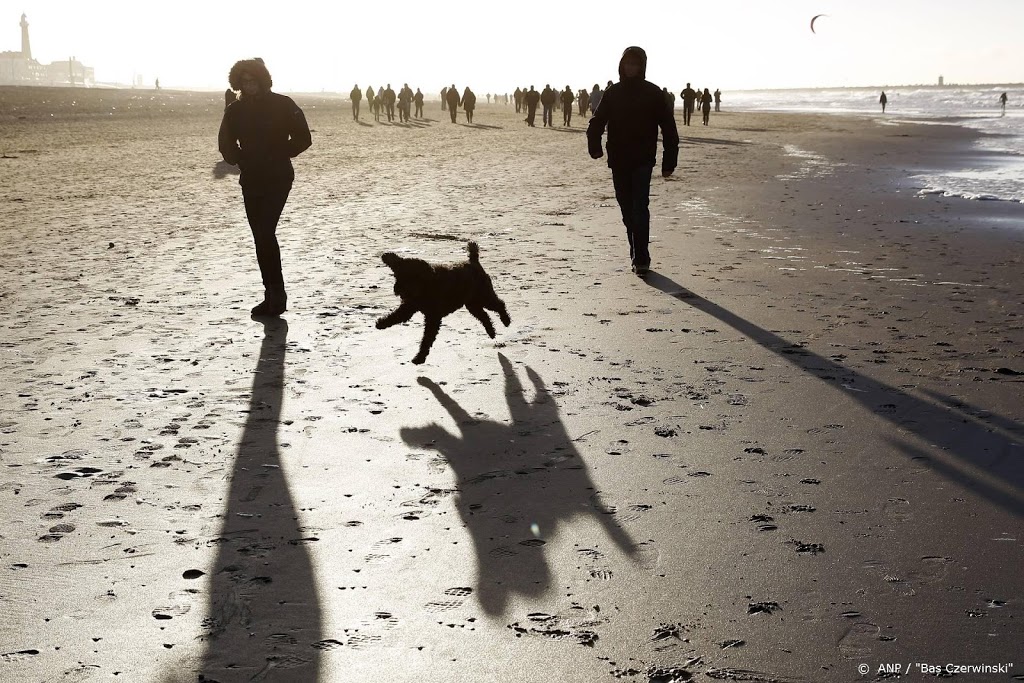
(495, 46)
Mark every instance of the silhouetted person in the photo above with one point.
(689, 96)
(583, 99)
(444, 99)
(532, 99)
(369, 95)
(547, 100)
(1002, 102)
(356, 96)
(595, 98)
(417, 100)
(378, 104)
(229, 97)
(718, 100)
(158, 84)
(261, 132)
(518, 96)
(883, 100)
(705, 105)
(670, 99)
(468, 103)
(389, 102)
(404, 103)
(489, 98)
(567, 99)
(453, 102)
(633, 110)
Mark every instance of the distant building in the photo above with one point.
(18, 67)
(940, 81)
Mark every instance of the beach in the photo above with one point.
(793, 450)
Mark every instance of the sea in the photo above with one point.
(995, 173)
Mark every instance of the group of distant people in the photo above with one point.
(387, 101)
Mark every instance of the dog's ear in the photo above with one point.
(474, 252)
(390, 258)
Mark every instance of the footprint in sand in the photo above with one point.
(898, 509)
(454, 601)
(379, 551)
(56, 533)
(858, 641)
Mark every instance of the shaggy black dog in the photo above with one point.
(437, 290)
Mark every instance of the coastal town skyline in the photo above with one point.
(734, 45)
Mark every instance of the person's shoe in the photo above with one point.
(273, 305)
(641, 269)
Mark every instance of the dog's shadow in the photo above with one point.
(518, 484)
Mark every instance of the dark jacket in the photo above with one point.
(261, 134)
(452, 97)
(531, 97)
(633, 110)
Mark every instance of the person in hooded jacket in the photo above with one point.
(567, 99)
(261, 133)
(452, 97)
(417, 100)
(595, 98)
(356, 96)
(633, 110)
(547, 101)
(468, 103)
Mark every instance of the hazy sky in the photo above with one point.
(727, 44)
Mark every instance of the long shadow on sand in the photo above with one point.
(517, 483)
(263, 620)
(711, 141)
(481, 126)
(988, 450)
(223, 169)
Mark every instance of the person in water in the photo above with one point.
(883, 100)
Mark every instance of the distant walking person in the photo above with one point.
(404, 103)
(883, 100)
(261, 132)
(452, 96)
(547, 100)
(595, 99)
(444, 99)
(378, 104)
(567, 99)
(584, 99)
(417, 100)
(468, 103)
(634, 110)
(531, 98)
(705, 105)
(518, 97)
(389, 102)
(1002, 102)
(718, 100)
(689, 96)
(356, 96)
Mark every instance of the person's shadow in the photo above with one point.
(263, 619)
(987, 448)
(518, 484)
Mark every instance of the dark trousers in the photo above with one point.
(419, 110)
(548, 115)
(687, 113)
(263, 208)
(355, 109)
(391, 111)
(531, 113)
(633, 192)
(453, 112)
(567, 115)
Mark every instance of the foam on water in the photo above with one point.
(996, 174)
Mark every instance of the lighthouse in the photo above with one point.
(26, 47)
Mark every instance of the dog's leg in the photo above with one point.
(480, 314)
(429, 335)
(498, 306)
(400, 315)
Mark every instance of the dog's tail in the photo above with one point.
(474, 252)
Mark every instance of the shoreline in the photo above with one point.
(794, 449)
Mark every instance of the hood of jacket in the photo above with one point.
(636, 53)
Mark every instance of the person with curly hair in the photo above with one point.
(261, 133)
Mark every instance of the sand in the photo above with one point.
(795, 449)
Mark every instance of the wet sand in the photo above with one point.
(796, 448)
